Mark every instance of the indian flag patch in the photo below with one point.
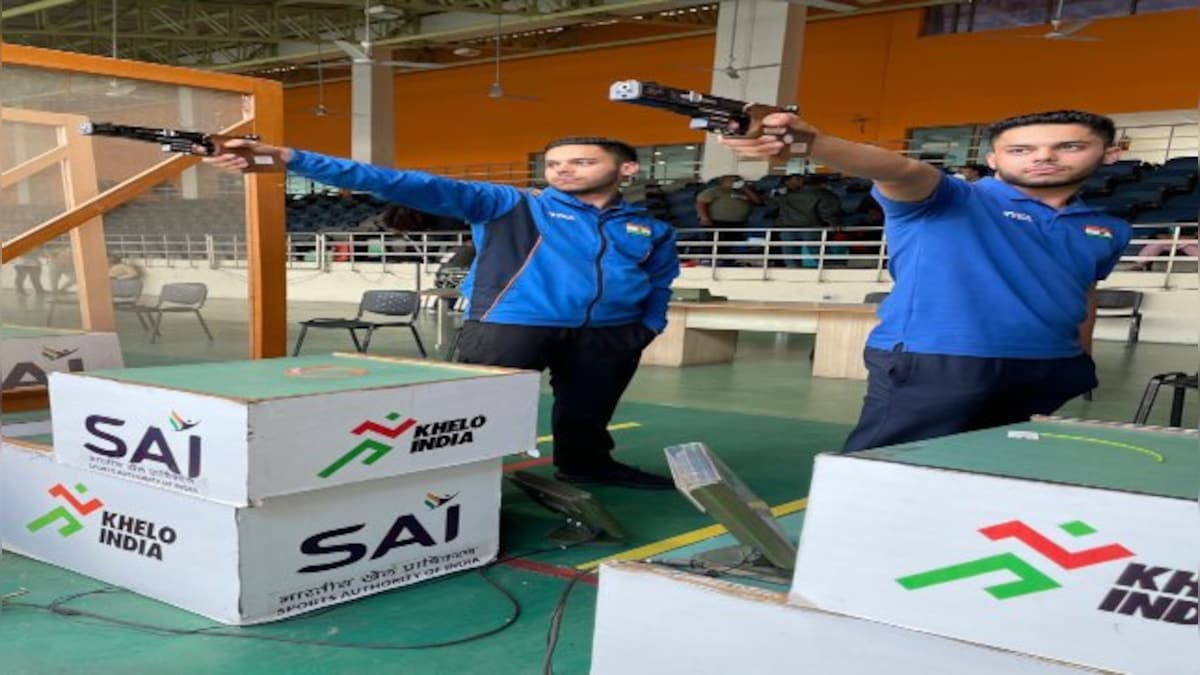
(639, 230)
(1097, 231)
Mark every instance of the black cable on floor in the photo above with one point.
(556, 619)
(59, 608)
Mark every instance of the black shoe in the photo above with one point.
(618, 474)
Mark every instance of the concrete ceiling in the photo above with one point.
(282, 39)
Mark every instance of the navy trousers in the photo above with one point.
(912, 397)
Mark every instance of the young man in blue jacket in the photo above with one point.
(571, 278)
(990, 320)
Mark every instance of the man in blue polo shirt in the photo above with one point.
(990, 318)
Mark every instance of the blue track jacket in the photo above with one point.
(544, 258)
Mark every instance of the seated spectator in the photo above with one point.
(971, 172)
(463, 256)
(1187, 245)
(119, 269)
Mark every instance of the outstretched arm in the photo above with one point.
(897, 177)
(466, 200)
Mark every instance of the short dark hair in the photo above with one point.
(621, 150)
(1101, 125)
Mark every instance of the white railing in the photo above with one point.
(860, 248)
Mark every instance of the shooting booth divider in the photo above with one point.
(62, 151)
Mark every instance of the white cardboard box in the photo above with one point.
(239, 432)
(1096, 576)
(29, 355)
(653, 621)
(245, 565)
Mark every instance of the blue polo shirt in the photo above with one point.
(982, 269)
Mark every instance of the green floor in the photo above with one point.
(764, 415)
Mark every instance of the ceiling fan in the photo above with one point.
(496, 90)
(1063, 31)
(320, 109)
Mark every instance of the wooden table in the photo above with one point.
(707, 332)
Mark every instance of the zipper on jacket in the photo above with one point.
(599, 270)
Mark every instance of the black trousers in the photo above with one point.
(912, 397)
(589, 370)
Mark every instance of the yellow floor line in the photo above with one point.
(687, 538)
(611, 427)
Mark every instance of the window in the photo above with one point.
(982, 15)
(944, 146)
(1147, 6)
(1002, 14)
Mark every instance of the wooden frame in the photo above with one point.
(265, 231)
(76, 160)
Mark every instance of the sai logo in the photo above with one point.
(151, 446)
(72, 524)
(408, 529)
(376, 448)
(1029, 578)
(30, 374)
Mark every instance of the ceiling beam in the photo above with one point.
(455, 26)
(33, 8)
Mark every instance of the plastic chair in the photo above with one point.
(176, 298)
(401, 305)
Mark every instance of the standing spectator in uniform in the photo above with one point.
(804, 204)
(990, 319)
(572, 278)
(727, 206)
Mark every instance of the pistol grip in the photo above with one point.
(796, 144)
(258, 162)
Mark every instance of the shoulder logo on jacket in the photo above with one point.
(1017, 215)
(1097, 231)
(637, 229)
(560, 216)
